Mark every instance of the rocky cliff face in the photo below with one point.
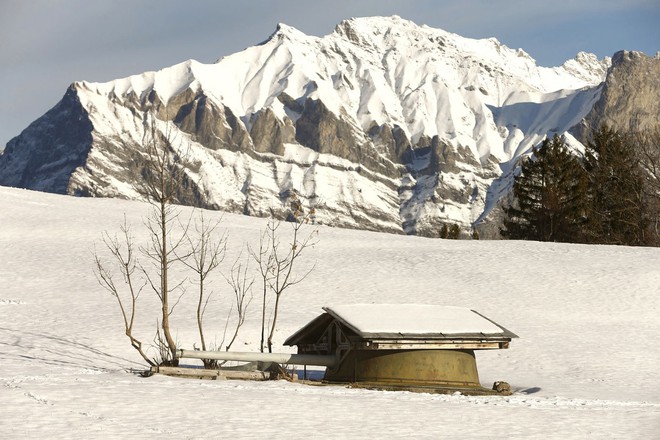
(630, 98)
(381, 125)
(29, 162)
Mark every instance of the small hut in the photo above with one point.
(401, 345)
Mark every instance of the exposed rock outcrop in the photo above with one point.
(213, 126)
(321, 130)
(50, 149)
(269, 133)
(630, 98)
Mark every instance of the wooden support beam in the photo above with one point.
(452, 345)
(217, 374)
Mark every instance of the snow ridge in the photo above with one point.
(380, 70)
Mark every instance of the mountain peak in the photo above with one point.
(379, 31)
(282, 32)
(587, 66)
(285, 29)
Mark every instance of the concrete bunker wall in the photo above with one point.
(408, 367)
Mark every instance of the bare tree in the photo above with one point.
(124, 256)
(277, 261)
(200, 248)
(163, 184)
(204, 256)
(264, 259)
(163, 173)
(241, 285)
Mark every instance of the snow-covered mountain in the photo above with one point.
(382, 124)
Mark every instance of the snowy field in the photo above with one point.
(586, 364)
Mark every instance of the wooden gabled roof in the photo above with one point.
(397, 322)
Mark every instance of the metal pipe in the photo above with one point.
(280, 358)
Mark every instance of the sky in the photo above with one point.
(45, 45)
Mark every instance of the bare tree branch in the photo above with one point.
(124, 257)
(241, 284)
(276, 262)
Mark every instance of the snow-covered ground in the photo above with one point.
(586, 364)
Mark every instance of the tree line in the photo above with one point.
(610, 194)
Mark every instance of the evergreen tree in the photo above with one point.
(647, 146)
(454, 232)
(618, 209)
(550, 197)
